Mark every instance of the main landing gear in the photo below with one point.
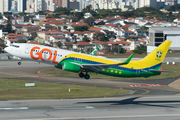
(82, 75)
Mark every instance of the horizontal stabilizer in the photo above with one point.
(161, 71)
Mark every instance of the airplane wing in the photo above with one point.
(99, 67)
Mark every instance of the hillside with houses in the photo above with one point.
(115, 34)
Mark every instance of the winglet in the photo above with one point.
(128, 59)
(94, 51)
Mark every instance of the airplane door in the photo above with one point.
(27, 47)
(137, 70)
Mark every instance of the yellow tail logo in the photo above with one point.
(157, 56)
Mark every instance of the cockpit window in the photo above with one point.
(15, 46)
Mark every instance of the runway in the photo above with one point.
(144, 102)
(124, 108)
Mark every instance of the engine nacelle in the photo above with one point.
(71, 67)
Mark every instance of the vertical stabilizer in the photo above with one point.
(157, 56)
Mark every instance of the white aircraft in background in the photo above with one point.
(84, 63)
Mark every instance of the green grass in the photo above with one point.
(164, 66)
(15, 89)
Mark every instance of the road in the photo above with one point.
(144, 102)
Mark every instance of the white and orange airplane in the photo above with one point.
(84, 63)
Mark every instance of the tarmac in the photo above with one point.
(175, 84)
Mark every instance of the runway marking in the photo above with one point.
(13, 76)
(142, 85)
(39, 72)
(147, 91)
(166, 103)
(111, 117)
(36, 76)
(21, 108)
(72, 107)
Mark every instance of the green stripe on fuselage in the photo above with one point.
(120, 72)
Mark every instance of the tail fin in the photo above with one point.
(157, 56)
(94, 51)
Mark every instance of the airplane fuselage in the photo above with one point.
(68, 60)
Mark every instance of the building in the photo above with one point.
(159, 35)
(152, 3)
(58, 2)
(74, 5)
(81, 4)
(1, 6)
(39, 4)
(65, 3)
(20, 5)
(171, 2)
(61, 3)
(6, 5)
(14, 5)
(30, 6)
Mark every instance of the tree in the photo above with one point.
(62, 10)
(0, 15)
(33, 36)
(9, 26)
(144, 27)
(89, 50)
(121, 50)
(21, 41)
(40, 13)
(86, 39)
(131, 38)
(59, 44)
(81, 28)
(89, 21)
(87, 9)
(118, 25)
(22, 14)
(79, 15)
(140, 49)
(101, 37)
(2, 43)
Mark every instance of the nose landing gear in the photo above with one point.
(19, 63)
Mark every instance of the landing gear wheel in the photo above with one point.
(19, 63)
(81, 75)
(87, 76)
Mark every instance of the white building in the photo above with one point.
(4, 6)
(20, 5)
(49, 5)
(160, 34)
(39, 5)
(1, 6)
(14, 4)
(81, 4)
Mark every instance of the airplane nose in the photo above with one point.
(7, 49)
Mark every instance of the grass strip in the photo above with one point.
(163, 75)
(15, 89)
